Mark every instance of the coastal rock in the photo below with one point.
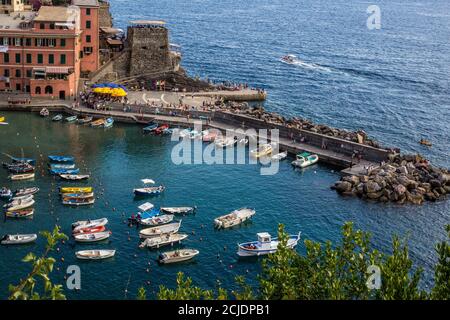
(400, 190)
(372, 187)
(374, 195)
(343, 186)
(435, 183)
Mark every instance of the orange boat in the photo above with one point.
(90, 230)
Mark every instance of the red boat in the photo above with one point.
(161, 129)
(90, 230)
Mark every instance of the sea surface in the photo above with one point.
(392, 82)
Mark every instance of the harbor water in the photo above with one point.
(392, 82)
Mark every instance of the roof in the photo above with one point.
(85, 3)
(149, 22)
(114, 42)
(54, 14)
(263, 235)
(14, 19)
(109, 30)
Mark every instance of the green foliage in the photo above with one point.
(142, 294)
(42, 267)
(441, 290)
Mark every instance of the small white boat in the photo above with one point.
(26, 191)
(78, 201)
(74, 177)
(19, 204)
(18, 177)
(92, 237)
(305, 159)
(95, 254)
(18, 198)
(164, 240)
(18, 238)
(262, 150)
(89, 223)
(71, 119)
(178, 210)
(280, 156)
(157, 221)
(44, 112)
(160, 230)
(264, 245)
(177, 256)
(225, 142)
(234, 218)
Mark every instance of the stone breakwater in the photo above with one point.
(402, 179)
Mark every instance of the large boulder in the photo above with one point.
(372, 187)
(343, 186)
(400, 190)
(402, 170)
(435, 183)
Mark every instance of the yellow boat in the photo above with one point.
(262, 151)
(98, 123)
(76, 190)
(2, 119)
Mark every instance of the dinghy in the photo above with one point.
(89, 223)
(177, 256)
(78, 201)
(234, 218)
(168, 239)
(92, 237)
(58, 117)
(20, 213)
(84, 120)
(18, 238)
(157, 220)
(160, 230)
(61, 159)
(262, 151)
(108, 123)
(264, 245)
(150, 128)
(280, 156)
(20, 177)
(89, 230)
(74, 177)
(5, 193)
(178, 210)
(76, 190)
(54, 166)
(95, 254)
(26, 191)
(71, 119)
(64, 171)
(305, 159)
(98, 123)
(148, 191)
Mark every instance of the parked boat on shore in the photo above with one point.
(305, 159)
(168, 239)
(95, 254)
(234, 218)
(160, 230)
(19, 177)
(177, 256)
(264, 245)
(18, 239)
(92, 237)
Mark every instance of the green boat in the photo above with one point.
(71, 119)
(305, 159)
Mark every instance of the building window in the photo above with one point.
(18, 87)
(29, 73)
(42, 25)
(63, 59)
(37, 90)
(6, 73)
(63, 42)
(18, 74)
(17, 42)
(48, 90)
(28, 42)
(51, 58)
(88, 38)
(88, 24)
(17, 57)
(88, 11)
(88, 50)
(29, 58)
(6, 57)
(40, 58)
(52, 25)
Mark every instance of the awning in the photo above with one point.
(39, 71)
(146, 206)
(58, 70)
(114, 42)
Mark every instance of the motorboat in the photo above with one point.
(54, 166)
(98, 123)
(20, 213)
(95, 254)
(264, 245)
(157, 220)
(18, 238)
(78, 201)
(167, 239)
(23, 160)
(150, 127)
(160, 230)
(178, 210)
(290, 58)
(425, 142)
(76, 190)
(19, 202)
(89, 223)
(85, 120)
(5, 193)
(234, 218)
(149, 191)
(225, 142)
(71, 119)
(92, 237)
(57, 118)
(21, 205)
(81, 195)
(89, 230)
(26, 191)
(177, 256)
(108, 123)
(19, 177)
(64, 171)
(305, 159)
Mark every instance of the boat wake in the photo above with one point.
(294, 60)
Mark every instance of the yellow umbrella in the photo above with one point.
(118, 92)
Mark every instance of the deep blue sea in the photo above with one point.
(392, 82)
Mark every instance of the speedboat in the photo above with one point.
(290, 58)
(95, 254)
(305, 159)
(167, 239)
(264, 245)
(18, 238)
(177, 256)
(160, 230)
(92, 237)
(263, 150)
(234, 218)
(58, 117)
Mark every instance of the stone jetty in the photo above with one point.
(402, 179)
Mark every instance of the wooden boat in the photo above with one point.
(262, 151)
(23, 160)
(148, 191)
(71, 119)
(234, 218)
(280, 156)
(264, 245)
(177, 256)
(58, 117)
(78, 201)
(150, 127)
(78, 195)
(61, 159)
(178, 210)
(18, 238)
(108, 123)
(160, 230)
(44, 112)
(168, 239)
(76, 190)
(24, 176)
(20, 213)
(89, 223)
(74, 177)
(98, 123)
(64, 171)
(62, 166)
(305, 159)
(225, 142)
(425, 142)
(89, 230)
(84, 120)
(92, 237)
(5, 193)
(26, 191)
(95, 254)
(157, 220)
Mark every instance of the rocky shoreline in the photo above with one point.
(402, 179)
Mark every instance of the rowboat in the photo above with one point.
(95, 254)
(61, 159)
(20, 168)
(157, 220)
(74, 177)
(234, 218)
(160, 230)
(22, 205)
(89, 223)
(92, 237)
(58, 117)
(177, 256)
(20, 213)
(76, 190)
(23, 160)
(150, 128)
(280, 156)
(264, 245)
(108, 123)
(71, 119)
(148, 191)
(81, 195)
(305, 159)
(17, 198)
(78, 201)
(164, 240)
(5, 193)
(178, 210)
(225, 142)
(18, 238)
(89, 230)
(98, 123)
(62, 166)
(64, 171)
(26, 191)
(25, 176)
(84, 120)
(262, 151)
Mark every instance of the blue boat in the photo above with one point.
(23, 160)
(64, 171)
(61, 159)
(150, 128)
(108, 123)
